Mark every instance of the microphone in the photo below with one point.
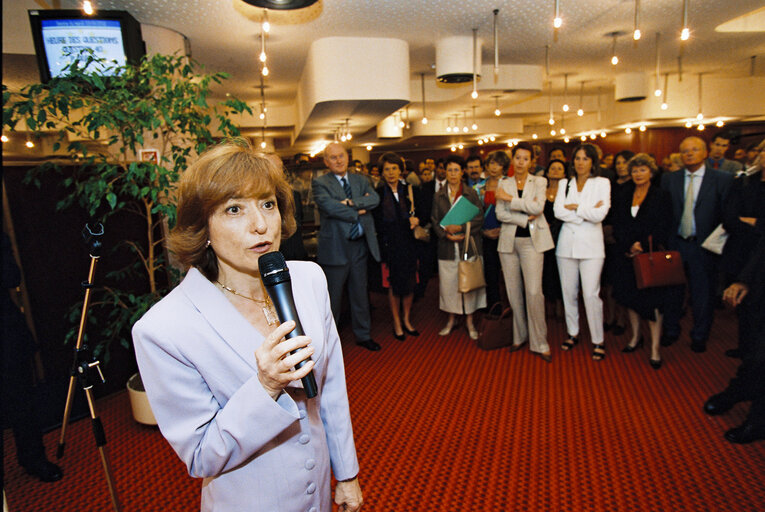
(276, 278)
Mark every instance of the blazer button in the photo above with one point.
(311, 488)
(304, 439)
(310, 464)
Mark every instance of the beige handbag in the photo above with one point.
(421, 233)
(470, 271)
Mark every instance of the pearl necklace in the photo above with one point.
(267, 308)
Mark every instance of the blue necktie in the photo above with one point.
(355, 233)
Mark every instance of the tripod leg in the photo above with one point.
(100, 437)
(67, 412)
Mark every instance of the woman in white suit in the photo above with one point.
(218, 372)
(582, 203)
(523, 239)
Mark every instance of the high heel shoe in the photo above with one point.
(514, 347)
(632, 348)
(446, 330)
(599, 352)
(545, 357)
(399, 337)
(570, 343)
(472, 332)
(655, 363)
(411, 332)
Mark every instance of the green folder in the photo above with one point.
(461, 212)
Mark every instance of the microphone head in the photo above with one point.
(273, 268)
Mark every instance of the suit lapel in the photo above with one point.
(222, 316)
(705, 189)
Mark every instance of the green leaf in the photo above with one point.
(111, 198)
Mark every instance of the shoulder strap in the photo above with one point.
(411, 200)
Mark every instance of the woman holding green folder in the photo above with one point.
(451, 242)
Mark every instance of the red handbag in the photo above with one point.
(658, 268)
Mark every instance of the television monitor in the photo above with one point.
(59, 35)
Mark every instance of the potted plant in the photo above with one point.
(128, 132)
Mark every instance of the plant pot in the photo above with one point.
(139, 402)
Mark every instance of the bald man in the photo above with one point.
(693, 219)
(346, 237)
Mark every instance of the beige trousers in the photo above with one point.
(523, 276)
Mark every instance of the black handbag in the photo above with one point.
(496, 328)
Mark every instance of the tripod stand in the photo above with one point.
(84, 363)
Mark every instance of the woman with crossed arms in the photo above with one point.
(523, 239)
(582, 203)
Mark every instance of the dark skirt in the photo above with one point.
(626, 292)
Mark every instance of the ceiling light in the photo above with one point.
(29, 144)
(448, 129)
(87, 7)
(628, 130)
(688, 124)
(562, 131)
(453, 148)
(719, 123)
(566, 139)
(614, 58)
(263, 144)
(636, 33)
(583, 138)
(460, 146)
(593, 136)
(685, 34)
(492, 138)
(264, 71)
(422, 83)
(465, 129)
(700, 116)
(603, 134)
(534, 136)
(552, 132)
(480, 141)
(557, 21)
(369, 147)
(551, 121)
(497, 112)
(4, 138)
(664, 106)
(283, 5)
(474, 94)
(474, 127)
(700, 127)
(642, 128)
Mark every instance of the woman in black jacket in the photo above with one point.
(394, 223)
(640, 212)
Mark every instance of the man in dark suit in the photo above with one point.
(346, 236)
(748, 294)
(717, 148)
(698, 193)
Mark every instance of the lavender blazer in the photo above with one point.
(195, 352)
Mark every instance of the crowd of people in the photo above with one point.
(548, 235)
(216, 357)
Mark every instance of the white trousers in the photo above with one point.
(571, 270)
(523, 276)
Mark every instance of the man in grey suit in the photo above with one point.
(717, 148)
(698, 193)
(346, 236)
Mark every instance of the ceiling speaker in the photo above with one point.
(283, 5)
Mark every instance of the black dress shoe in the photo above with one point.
(632, 348)
(655, 363)
(747, 432)
(414, 332)
(733, 352)
(667, 340)
(720, 403)
(399, 337)
(699, 346)
(44, 470)
(369, 345)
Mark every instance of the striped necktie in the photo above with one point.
(356, 230)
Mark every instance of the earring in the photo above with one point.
(208, 243)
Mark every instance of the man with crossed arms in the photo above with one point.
(346, 236)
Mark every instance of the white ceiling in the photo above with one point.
(224, 35)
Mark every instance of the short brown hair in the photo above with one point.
(640, 160)
(228, 170)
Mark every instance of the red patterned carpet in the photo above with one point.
(443, 426)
